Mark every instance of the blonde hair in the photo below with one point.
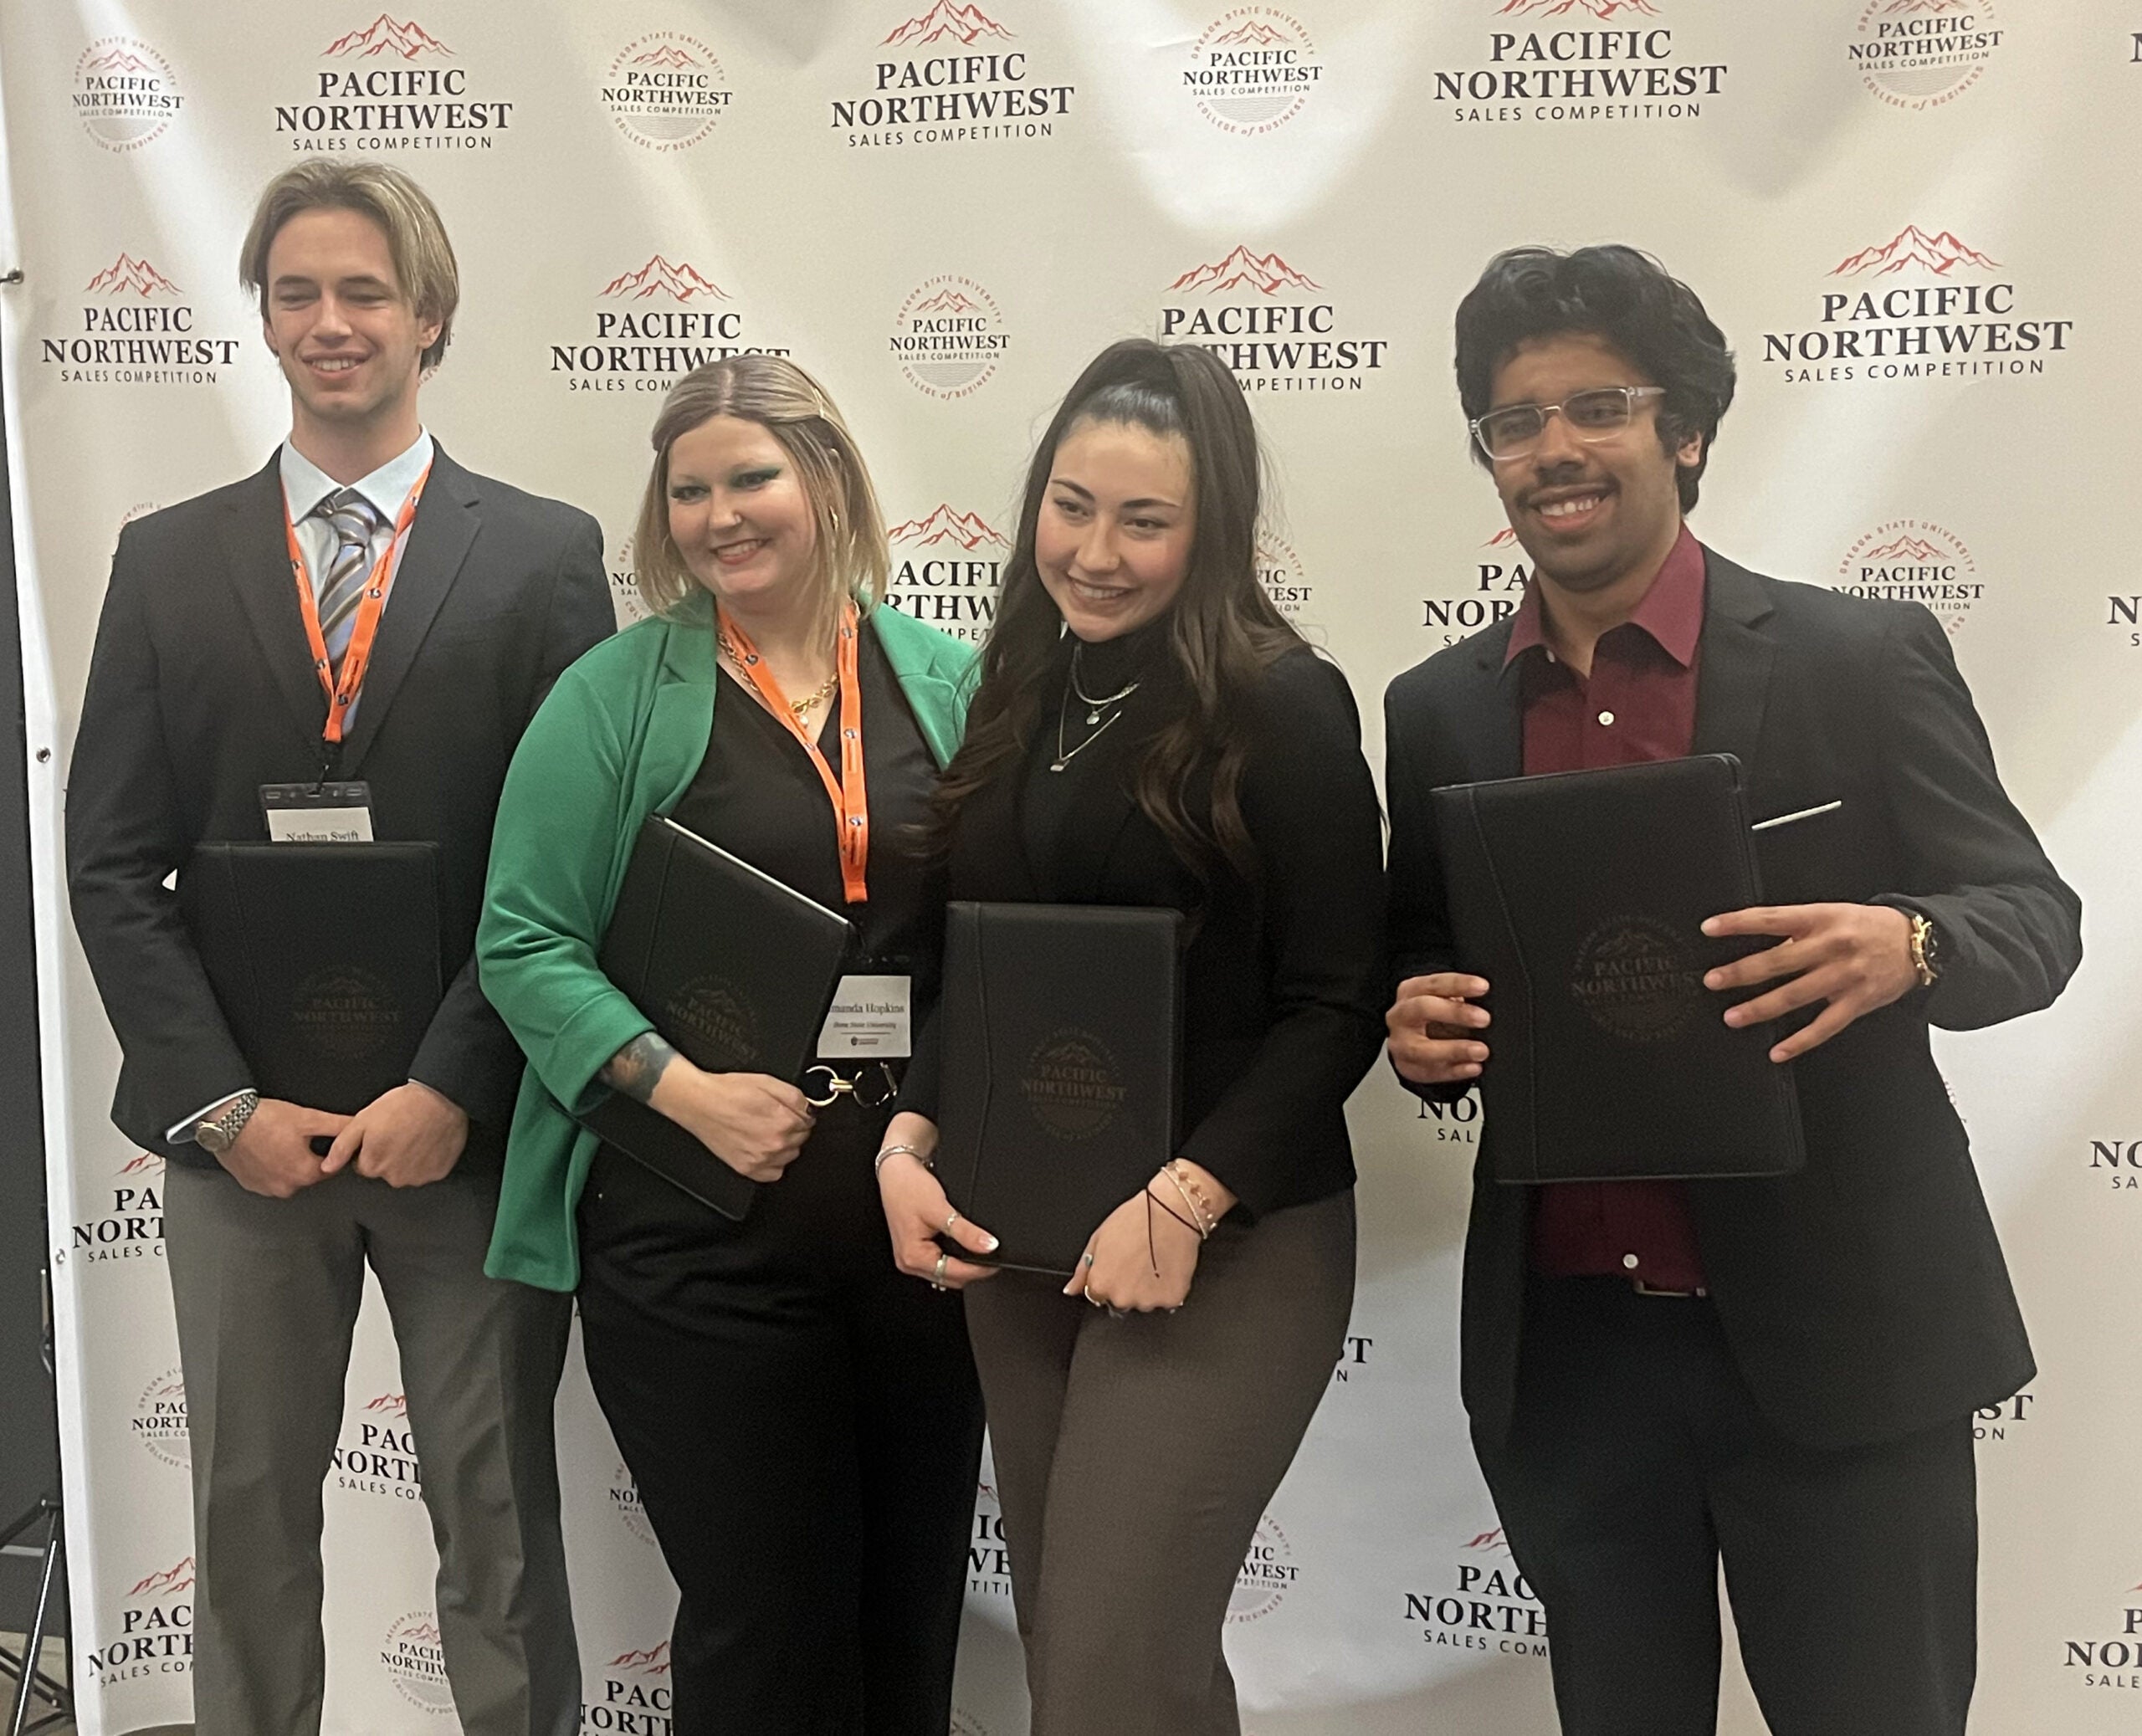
(851, 559)
(416, 238)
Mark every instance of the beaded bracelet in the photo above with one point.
(1200, 1209)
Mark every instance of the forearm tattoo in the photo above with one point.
(635, 1068)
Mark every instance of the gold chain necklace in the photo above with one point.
(800, 707)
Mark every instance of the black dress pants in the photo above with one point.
(805, 1427)
(1638, 1459)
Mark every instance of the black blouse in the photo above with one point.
(759, 797)
(1283, 975)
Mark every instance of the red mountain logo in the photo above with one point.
(118, 60)
(968, 23)
(1256, 33)
(1940, 254)
(1501, 540)
(1906, 547)
(1897, 8)
(408, 41)
(658, 277)
(948, 301)
(174, 1388)
(970, 530)
(654, 1662)
(1266, 272)
(1597, 8)
(1490, 1541)
(128, 273)
(149, 1162)
(166, 1584)
(389, 1404)
(424, 1633)
(669, 54)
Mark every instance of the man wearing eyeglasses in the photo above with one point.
(1777, 1373)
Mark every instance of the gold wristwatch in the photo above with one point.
(1926, 948)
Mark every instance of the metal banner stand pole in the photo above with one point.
(31, 1683)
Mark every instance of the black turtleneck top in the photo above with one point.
(1283, 975)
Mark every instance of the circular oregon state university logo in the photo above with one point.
(136, 327)
(666, 90)
(392, 86)
(1252, 71)
(1280, 571)
(1072, 1085)
(1275, 326)
(1581, 60)
(160, 1420)
(951, 76)
(1267, 1574)
(1921, 53)
(416, 1662)
(125, 94)
(948, 568)
(345, 1012)
(625, 1503)
(1919, 306)
(713, 1010)
(1636, 981)
(632, 1695)
(949, 336)
(1914, 561)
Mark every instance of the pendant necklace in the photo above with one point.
(1096, 724)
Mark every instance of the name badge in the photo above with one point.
(869, 1018)
(323, 813)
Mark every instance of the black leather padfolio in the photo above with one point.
(1579, 896)
(324, 958)
(736, 970)
(1062, 1072)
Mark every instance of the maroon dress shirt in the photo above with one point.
(1638, 703)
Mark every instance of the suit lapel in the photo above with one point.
(1494, 713)
(1733, 676)
(446, 526)
(257, 561)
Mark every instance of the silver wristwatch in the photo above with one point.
(218, 1136)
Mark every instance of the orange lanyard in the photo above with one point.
(357, 656)
(850, 800)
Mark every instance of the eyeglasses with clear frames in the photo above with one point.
(1593, 416)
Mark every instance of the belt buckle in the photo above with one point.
(1642, 1289)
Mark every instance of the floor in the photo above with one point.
(55, 1664)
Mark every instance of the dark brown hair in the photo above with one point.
(1221, 630)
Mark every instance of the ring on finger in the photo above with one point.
(937, 1273)
(949, 1221)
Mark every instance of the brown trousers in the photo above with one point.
(1135, 1456)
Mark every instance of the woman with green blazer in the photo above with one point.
(803, 1425)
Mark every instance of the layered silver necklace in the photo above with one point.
(1100, 712)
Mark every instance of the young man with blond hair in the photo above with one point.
(458, 600)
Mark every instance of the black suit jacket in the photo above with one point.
(1866, 1296)
(202, 689)
(1283, 981)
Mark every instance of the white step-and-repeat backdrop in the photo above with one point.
(1917, 219)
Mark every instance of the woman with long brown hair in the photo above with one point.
(802, 1423)
(1148, 731)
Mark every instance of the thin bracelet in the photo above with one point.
(877, 1162)
(1173, 1214)
(1198, 1219)
(1208, 1219)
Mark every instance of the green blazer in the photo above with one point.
(620, 737)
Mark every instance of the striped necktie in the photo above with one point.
(354, 521)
